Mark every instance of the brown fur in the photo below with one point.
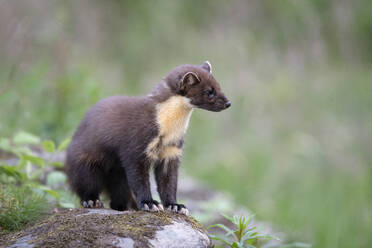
(121, 137)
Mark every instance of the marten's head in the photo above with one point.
(196, 83)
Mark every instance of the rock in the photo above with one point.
(110, 228)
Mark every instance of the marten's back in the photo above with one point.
(114, 123)
(120, 139)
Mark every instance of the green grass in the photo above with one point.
(300, 162)
(32, 186)
(295, 147)
(20, 206)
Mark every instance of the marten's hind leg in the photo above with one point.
(87, 181)
(118, 189)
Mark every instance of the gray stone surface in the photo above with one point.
(109, 228)
(185, 235)
(204, 203)
(23, 242)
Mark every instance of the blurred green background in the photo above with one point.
(296, 145)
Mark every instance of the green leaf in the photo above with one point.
(56, 164)
(20, 150)
(228, 217)
(35, 174)
(250, 241)
(249, 218)
(4, 144)
(55, 177)
(235, 220)
(34, 160)
(64, 144)
(21, 163)
(26, 138)
(12, 172)
(248, 235)
(235, 245)
(249, 246)
(28, 169)
(46, 189)
(48, 146)
(223, 227)
(222, 239)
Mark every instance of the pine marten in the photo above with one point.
(121, 138)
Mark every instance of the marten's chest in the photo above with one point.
(172, 118)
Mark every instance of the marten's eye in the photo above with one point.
(209, 93)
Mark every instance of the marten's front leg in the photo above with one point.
(139, 182)
(166, 175)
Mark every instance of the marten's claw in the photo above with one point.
(174, 208)
(184, 211)
(98, 204)
(92, 204)
(87, 204)
(152, 206)
(178, 208)
(145, 207)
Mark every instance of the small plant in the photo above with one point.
(243, 235)
(20, 206)
(31, 167)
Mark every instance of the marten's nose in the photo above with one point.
(227, 104)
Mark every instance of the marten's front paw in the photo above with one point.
(151, 205)
(92, 204)
(179, 208)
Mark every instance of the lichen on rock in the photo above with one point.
(110, 228)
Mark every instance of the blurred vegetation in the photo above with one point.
(243, 234)
(295, 145)
(20, 206)
(31, 180)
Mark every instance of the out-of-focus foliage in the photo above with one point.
(32, 182)
(243, 235)
(295, 145)
(20, 206)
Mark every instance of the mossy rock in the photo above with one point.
(109, 228)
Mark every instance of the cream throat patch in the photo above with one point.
(172, 117)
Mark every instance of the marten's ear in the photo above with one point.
(188, 80)
(207, 66)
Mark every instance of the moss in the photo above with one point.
(67, 226)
